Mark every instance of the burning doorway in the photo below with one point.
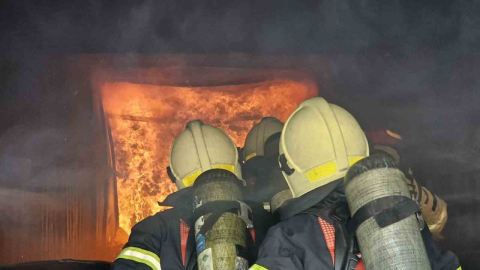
(143, 117)
(119, 117)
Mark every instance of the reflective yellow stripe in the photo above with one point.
(459, 268)
(141, 256)
(227, 167)
(321, 171)
(250, 156)
(132, 258)
(353, 160)
(143, 251)
(395, 135)
(190, 179)
(257, 267)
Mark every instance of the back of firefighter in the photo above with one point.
(319, 143)
(260, 164)
(434, 209)
(164, 241)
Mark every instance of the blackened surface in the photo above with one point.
(60, 265)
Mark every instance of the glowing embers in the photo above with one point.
(145, 119)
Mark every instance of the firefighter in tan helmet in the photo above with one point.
(258, 135)
(319, 143)
(434, 209)
(201, 148)
(162, 241)
(260, 168)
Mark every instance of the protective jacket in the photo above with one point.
(310, 236)
(166, 242)
(161, 242)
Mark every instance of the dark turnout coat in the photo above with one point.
(305, 238)
(160, 241)
(166, 242)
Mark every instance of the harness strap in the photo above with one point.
(343, 255)
(184, 232)
(386, 211)
(217, 209)
(191, 251)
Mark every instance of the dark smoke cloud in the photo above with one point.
(267, 27)
(382, 45)
(40, 159)
(407, 65)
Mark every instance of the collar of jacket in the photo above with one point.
(308, 200)
(333, 207)
(181, 200)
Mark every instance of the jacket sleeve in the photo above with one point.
(143, 247)
(276, 253)
(439, 260)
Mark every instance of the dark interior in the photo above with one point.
(411, 67)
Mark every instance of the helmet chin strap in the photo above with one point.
(171, 175)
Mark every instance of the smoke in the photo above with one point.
(42, 159)
(411, 66)
(45, 192)
(247, 26)
(22, 151)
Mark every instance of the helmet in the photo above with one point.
(384, 136)
(199, 148)
(260, 155)
(258, 135)
(319, 142)
(385, 140)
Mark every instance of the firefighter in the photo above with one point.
(318, 144)
(434, 209)
(164, 241)
(260, 164)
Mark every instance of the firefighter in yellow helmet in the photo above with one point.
(260, 168)
(319, 143)
(201, 148)
(434, 209)
(164, 241)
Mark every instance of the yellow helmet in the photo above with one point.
(319, 142)
(199, 148)
(258, 135)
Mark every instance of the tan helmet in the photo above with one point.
(258, 135)
(199, 148)
(319, 142)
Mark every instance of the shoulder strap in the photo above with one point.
(385, 210)
(345, 258)
(191, 252)
(217, 209)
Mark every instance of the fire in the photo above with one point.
(145, 119)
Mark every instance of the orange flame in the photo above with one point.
(145, 120)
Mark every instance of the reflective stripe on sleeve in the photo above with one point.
(257, 267)
(141, 256)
